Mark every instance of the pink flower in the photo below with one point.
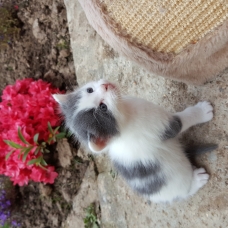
(46, 176)
(27, 104)
(22, 178)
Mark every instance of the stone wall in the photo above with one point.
(120, 207)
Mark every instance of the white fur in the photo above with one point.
(90, 100)
(139, 142)
(200, 113)
(141, 124)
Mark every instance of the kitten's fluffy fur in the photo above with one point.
(140, 138)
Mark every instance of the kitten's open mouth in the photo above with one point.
(98, 143)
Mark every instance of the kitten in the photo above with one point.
(139, 136)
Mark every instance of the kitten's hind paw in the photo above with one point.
(200, 178)
(205, 111)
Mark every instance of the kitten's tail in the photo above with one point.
(194, 150)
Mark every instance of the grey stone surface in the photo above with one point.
(38, 33)
(120, 207)
(64, 152)
(86, 195)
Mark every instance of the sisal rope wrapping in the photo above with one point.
(167, 25)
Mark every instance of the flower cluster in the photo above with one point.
(5, 211)
(29, 106)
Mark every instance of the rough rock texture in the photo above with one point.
(120, 207)
(86, 195)
(64, 152)
(38, 33)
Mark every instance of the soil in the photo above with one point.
(42, 50)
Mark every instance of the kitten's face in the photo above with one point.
(90, 113)
(94, 94)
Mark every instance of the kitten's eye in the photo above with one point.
(89, 90)
(103, 107)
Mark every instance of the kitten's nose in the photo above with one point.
(107, 86)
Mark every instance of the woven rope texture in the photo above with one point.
(167, 25)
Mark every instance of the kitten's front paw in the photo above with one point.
(205, 111)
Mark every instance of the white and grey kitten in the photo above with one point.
(139, 136)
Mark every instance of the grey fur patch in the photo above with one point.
(150, 175)
(68, 108)
(151, 186)
(138, 170)
(192, 151)
(173, 129)
(94, 124)
(88, 124)
(70, 105)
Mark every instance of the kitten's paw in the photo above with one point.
(205, 111)
(200, 178)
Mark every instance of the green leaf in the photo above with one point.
(23, 150)
(13, 144)
(90, 220)
(78, 160)
(26, 153)
(61, 135)
(8, 154)
(22, 137)
(56, 129)
(35, 138)
(46, 150)
(43, 162)
(69, 134)
(49, 140)
(42, 167)
(50, 128)
(19, 156)
(34, 161)
(37, 150)
(6, 225)
(95, 225)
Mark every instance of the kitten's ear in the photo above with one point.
(60, 98)
(98, 145)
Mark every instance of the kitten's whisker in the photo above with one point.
(95, 116)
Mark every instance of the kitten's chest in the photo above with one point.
(132, 148)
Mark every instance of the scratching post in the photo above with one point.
(180, 39)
